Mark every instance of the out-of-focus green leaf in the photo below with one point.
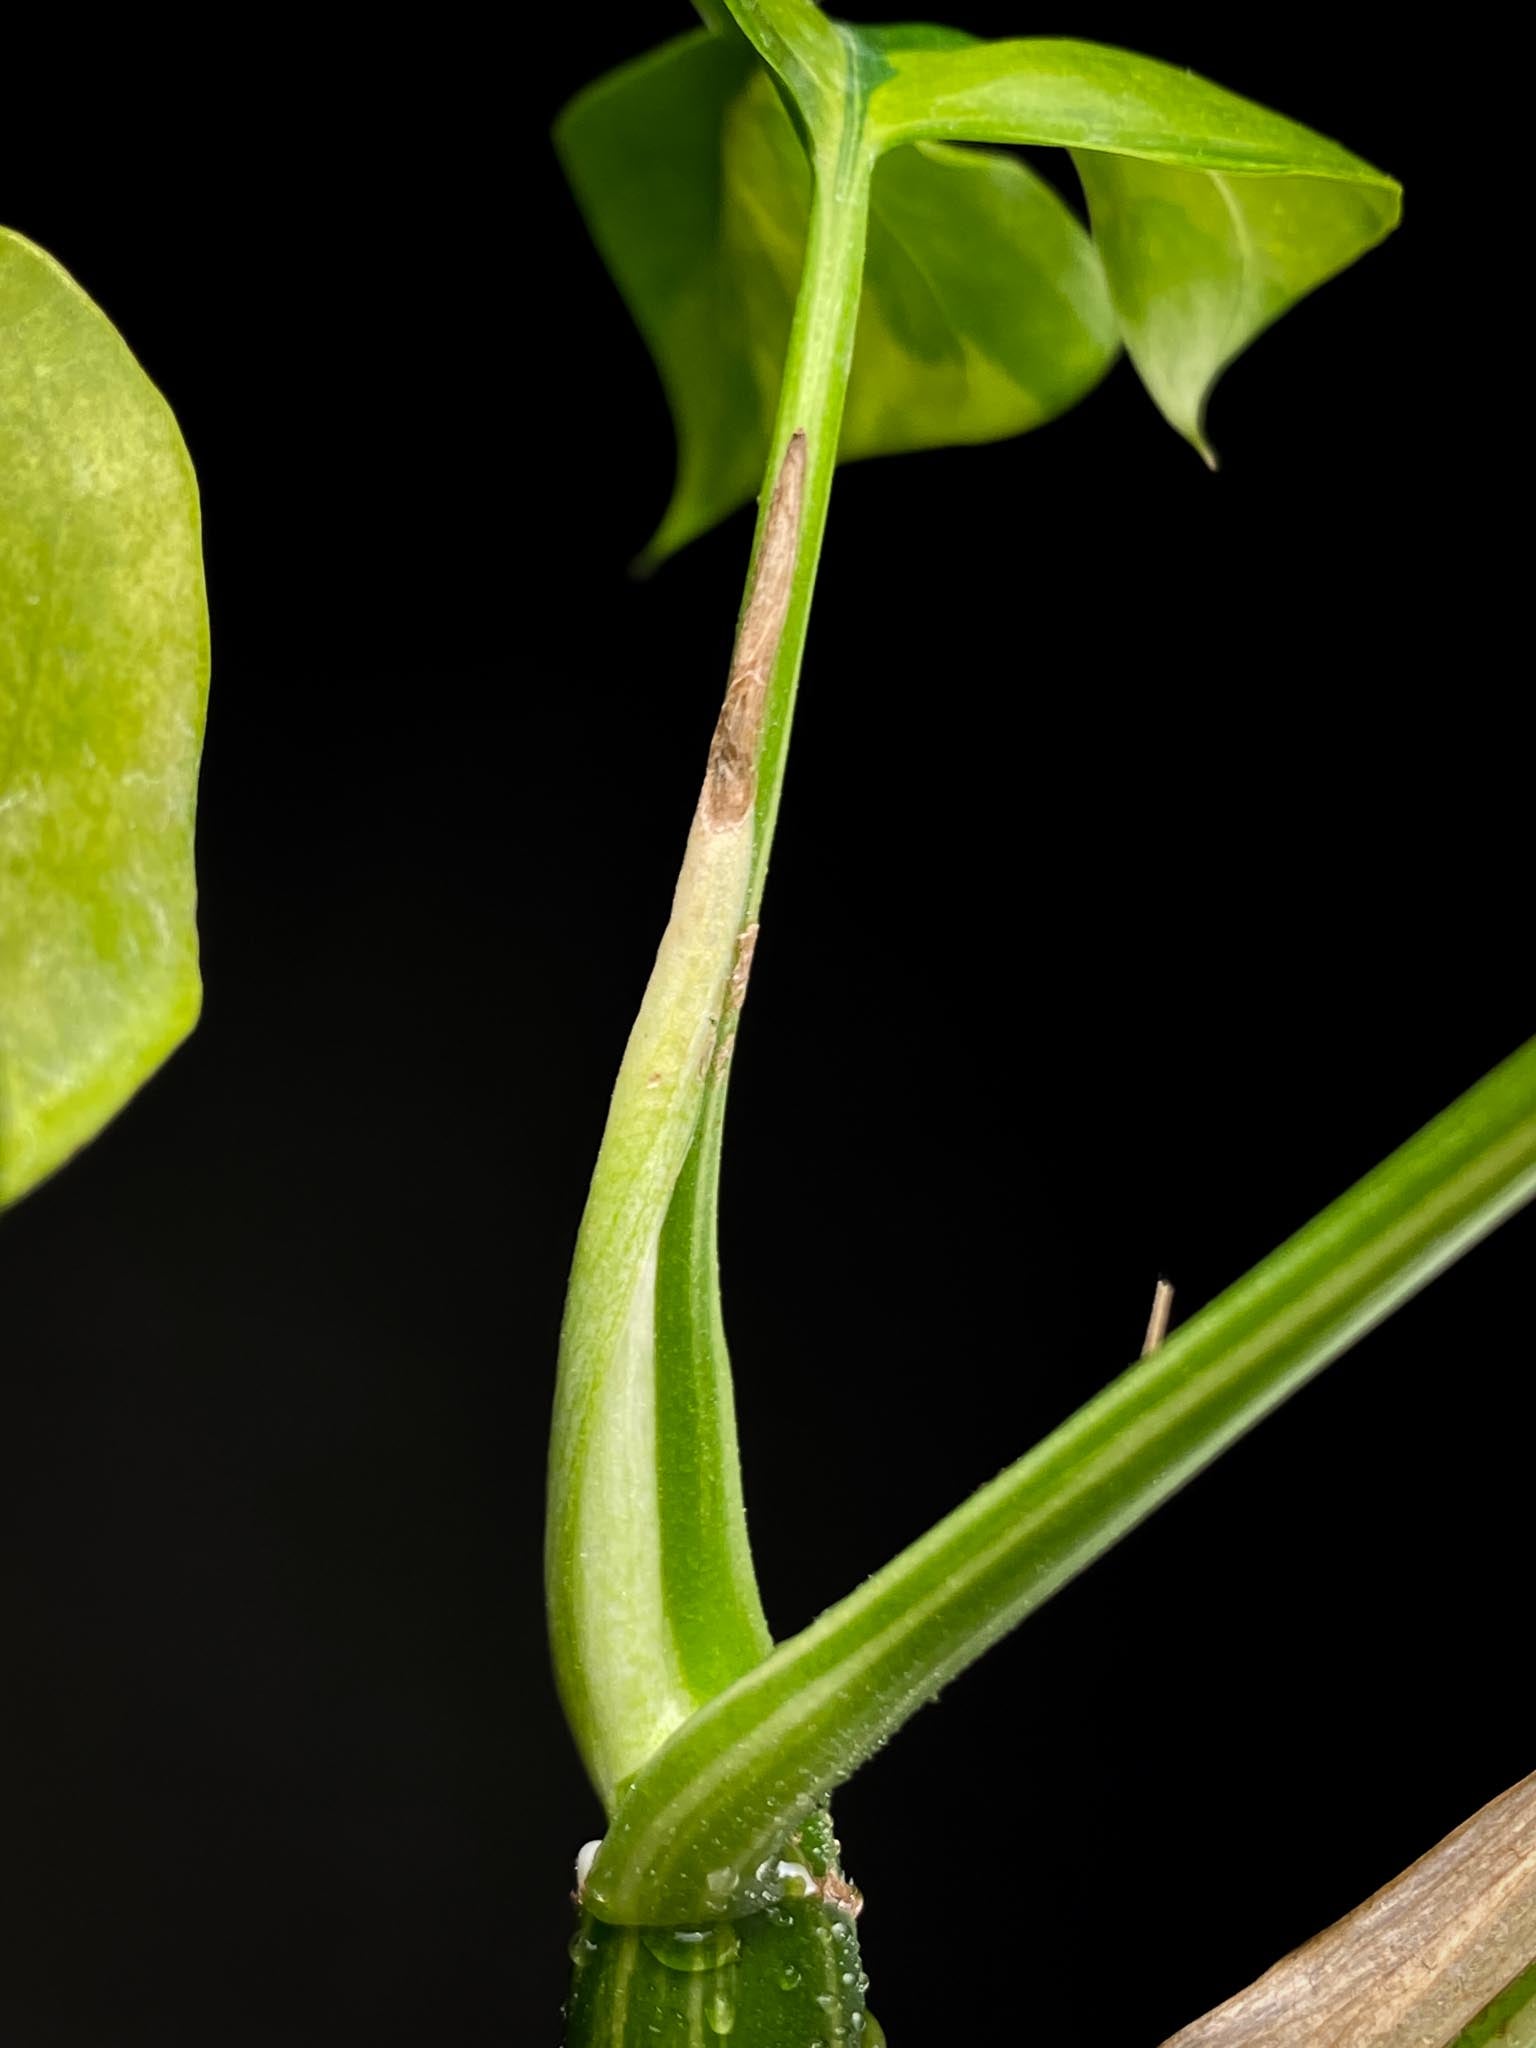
(642, 148)
(1084, 96)
(737, 1777)
(1212, 215)
(103, 683)
(1201, 262)
(984, 310)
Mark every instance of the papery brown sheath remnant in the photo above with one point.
(735, 996)
(1159, 1319)
(1414, 1964)
(730, 780)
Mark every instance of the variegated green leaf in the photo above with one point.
(1212, 215)
(103, 682)
(984, 308)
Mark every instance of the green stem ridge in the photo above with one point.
(691, 1349)
(740, 1774)
(811, 403)
(811, 400)
(644, 1467)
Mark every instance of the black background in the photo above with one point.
(1184, 880)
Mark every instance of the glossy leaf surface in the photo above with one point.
(984, 309)
(1212, 215)
(742, 1772)
(103, 684)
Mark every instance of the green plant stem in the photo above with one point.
(794, 1974)
(688, 1293)
(815, 385)
(737, 1778)
(644, 1469)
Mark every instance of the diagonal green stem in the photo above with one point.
(746, 1767)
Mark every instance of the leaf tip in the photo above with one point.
(1191, 428)
(680, 524)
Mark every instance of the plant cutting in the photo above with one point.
(824, 271)
(768, 1949)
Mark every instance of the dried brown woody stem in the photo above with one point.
(1413, 1965)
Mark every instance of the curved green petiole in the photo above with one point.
(652, 1599)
